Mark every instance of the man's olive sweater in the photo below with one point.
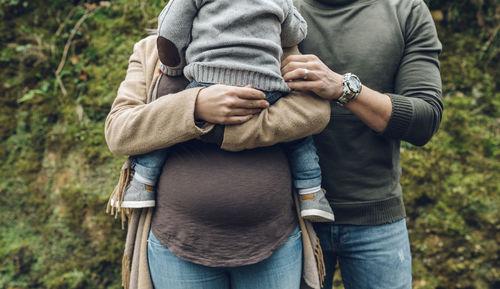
(392, 45)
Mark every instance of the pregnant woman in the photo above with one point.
(222, 219)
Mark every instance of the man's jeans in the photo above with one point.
(282, 270)
(375, 257)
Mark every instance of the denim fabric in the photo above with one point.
(282, 270)
(195, 83)
(149, 165)
(271, 96)
(304, 163)
(370, 257)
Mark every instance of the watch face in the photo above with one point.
(354, 84)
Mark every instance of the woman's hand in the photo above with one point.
(224, 104)
(308, 72)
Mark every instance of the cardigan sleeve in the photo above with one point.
(135, 127)
(417, 106)
(293, 117)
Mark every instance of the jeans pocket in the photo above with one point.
(296, 234)
(154, 243)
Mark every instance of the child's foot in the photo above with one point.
(138, 195)
(315, 208)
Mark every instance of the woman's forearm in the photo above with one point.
(134, 126)
(295, 116)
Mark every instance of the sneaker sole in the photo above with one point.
(315, 215)
(134, 204)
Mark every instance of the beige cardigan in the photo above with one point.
(133, 118)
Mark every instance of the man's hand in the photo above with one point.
(308, 72)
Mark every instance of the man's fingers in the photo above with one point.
(296, 58)
(304, 85)
(300, 73)
(298, 66)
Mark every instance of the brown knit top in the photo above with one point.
(220, 208)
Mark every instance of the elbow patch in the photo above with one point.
(168, 52)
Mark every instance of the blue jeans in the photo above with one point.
(371, 257)
(282, 270)
(304, 161)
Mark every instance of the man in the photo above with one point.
(377, 61)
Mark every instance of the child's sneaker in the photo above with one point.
(315, 208)
(138, 195)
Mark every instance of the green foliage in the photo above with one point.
(451, 185)
(56, 171)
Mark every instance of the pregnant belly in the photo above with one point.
(204, 184)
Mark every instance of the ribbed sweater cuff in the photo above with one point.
(373, 213)
(237, 77)
(171, 71)
(402, 111)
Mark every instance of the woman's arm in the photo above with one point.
(295, 116)
(134, 127)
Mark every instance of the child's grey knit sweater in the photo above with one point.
(234, 42)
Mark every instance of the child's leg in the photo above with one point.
(148, 166)
(274, 96)
(304, 163)
(140, 192)
(306, 172)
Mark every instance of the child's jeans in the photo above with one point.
(304, 161)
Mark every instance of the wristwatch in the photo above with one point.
(352, 87)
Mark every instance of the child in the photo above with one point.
(233, 42)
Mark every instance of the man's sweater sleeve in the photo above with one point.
(293, 28)
(417, 106)
(174, 26)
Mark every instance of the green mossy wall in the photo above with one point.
(56, 171)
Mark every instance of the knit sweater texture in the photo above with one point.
(392, 45)
(233, 42)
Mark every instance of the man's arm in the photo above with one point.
(413, 113)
